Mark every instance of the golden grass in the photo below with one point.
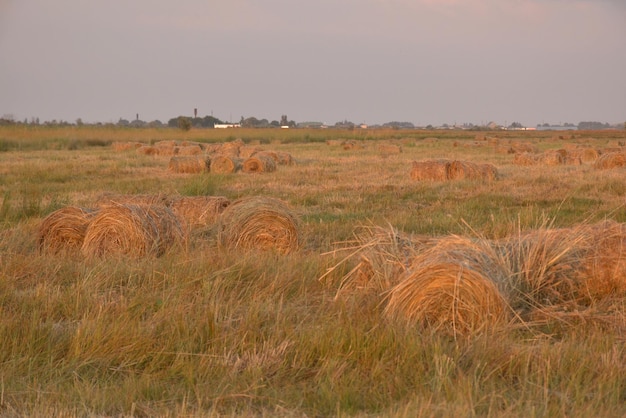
(64, 229)
(131, 230)
(259, 222)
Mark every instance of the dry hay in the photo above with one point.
(231, 148)
(519, 147)
(224, 164)
(188, 150)
(610, 160)
(212, 149)
(146, 150)
(196, 211)
(552, 158)
(453, 287)
(259, 163)
(351, 144)
(284, 158)
(166, 143)
(189, 164)
(64, 229)
(247, 151)
(459, 170)
(164, 150)
(131, 230)
(262, 223)
(389, 149)
(430, 170)
(525, 159)
(587, 155)
(125, 146)
(108, 199)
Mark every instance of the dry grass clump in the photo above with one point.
(107, 199)
(131, 230)
(197, 211)
(189, 164)
(352, 144)
(262, 223)
(441, 170)
(225, 164)
(125, 146)
(389, 149)
(610, 160)
(259, 163)
(64, 229)
(146, 150)
(454, 287)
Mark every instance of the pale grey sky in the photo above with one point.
(367, 61)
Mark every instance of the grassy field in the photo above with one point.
(208, 331)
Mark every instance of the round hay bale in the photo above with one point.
(146, 150)
(489, 171)
(604, 267)
(430, 170)
(131, 230)
(261, 223)
(588, 155)
(165, 150)
(525, 159)
(231, 148)
(464, 170)
(447, 297)
(108, 199)
(166, 143)
(259, 163)
(195, 211)
(64, 229)
(247, 151)
(552, 158)
(225, 164)
(189, 150)
(284, 158)
(190, 164)
(213, 149)
(610, 160)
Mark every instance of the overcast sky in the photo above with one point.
(367, 61)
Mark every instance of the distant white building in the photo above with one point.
(226, 125)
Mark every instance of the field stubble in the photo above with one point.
(204, 330)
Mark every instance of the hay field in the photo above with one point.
(403, 295)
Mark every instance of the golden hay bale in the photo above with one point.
(447, 297)
(165, 150)
(284, 158)
(262, 223)
(503, 149)
(64, 229)
(259, 163)
(525, 159)
(247, 151)
(189, 164)
(189, 150)
(430, 170)
(224, 164)
(108, 199)
(610, 160)
(604, 266)
(199, 210)
(212, 149)
(131, 230)
(552, 158)
(146, 150)
(460, 170)
(587, 155)
(231, 148)
(457, 286)
(166, 143)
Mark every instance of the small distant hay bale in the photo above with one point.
(165, 150)
(131, 230)
(389, 149)
(525, 159)
(259, 163)
(610, 160)
(108, 199)
(552, 158)
(64, 229)
(464, 170)
(190, 164)
(457, 286)
(284, 158)
(333, 142)
(587, 155)
(125, 146)
(351, 144)
(189, 150)
(225, 164)
(197, 211)
(260, 223)
(436, 170)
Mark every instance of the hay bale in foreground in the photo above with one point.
(610, 160)
(455, 287)
(430, 170)
(108, 199)
(64, 229)
(131, 230)
(195, 211)
(259, 163)
(225, 164)
(261, 223)
(190, 164)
